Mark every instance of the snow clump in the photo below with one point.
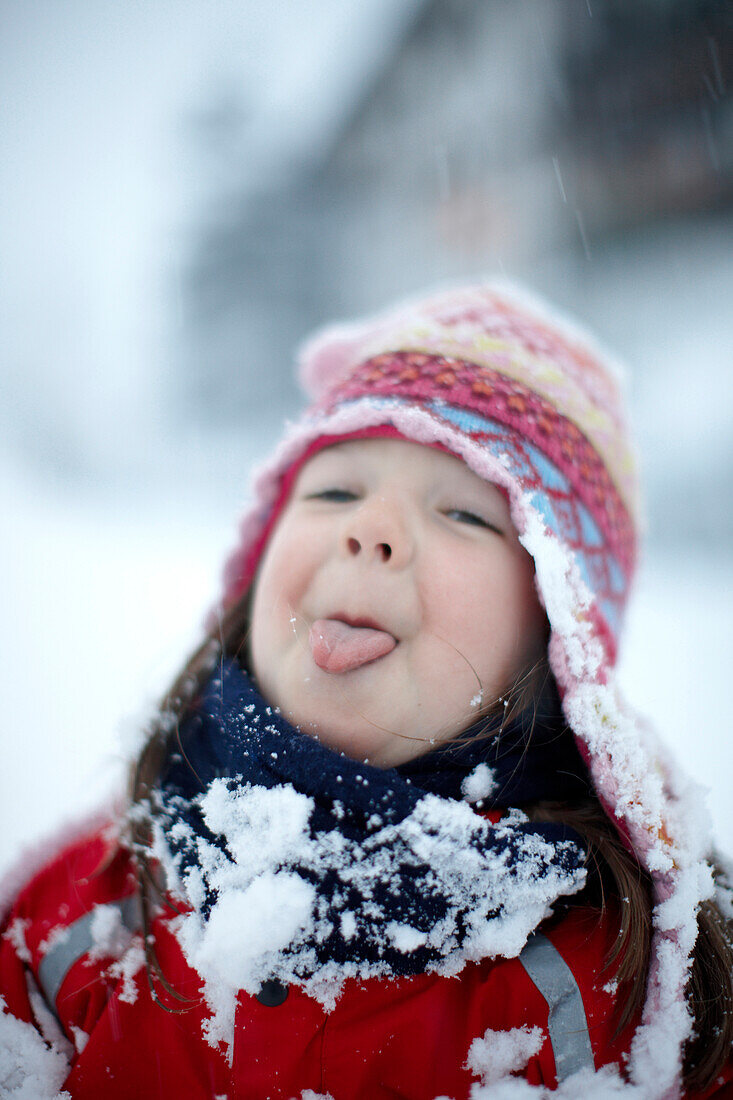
(499, 1053)
(110, 937)
(29, 1069)
(480, 783)
(15, 933)
(603, 1084)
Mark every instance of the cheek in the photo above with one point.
(284, 570)
(456, 620)
(489, 610)
(276, 586)
(529, 608)
(526, 626)
(283, 590)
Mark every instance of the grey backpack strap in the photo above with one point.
(566, 1023)
(77, 942)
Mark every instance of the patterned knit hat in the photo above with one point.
(531, 404)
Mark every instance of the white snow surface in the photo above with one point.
(15, 932)
(498, 1054)
(109, 935)
(126, 969)
(80, 1038)
(604, 1084)
(478, 784)
(29, 1069)
(266, 918)
(47, 1023)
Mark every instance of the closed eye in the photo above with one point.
(461, 515)
(337, 496)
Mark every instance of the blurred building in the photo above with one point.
(649, 116)
(191, 188)
(463, 136)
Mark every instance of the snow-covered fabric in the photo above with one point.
(533, 405)
(419, 1037)
(497, 1054)
(336, 869)
(412, 1037)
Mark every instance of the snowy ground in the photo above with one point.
(101, 601)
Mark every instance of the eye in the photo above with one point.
(462, 515)
(336, 496)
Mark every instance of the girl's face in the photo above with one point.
(393, 601)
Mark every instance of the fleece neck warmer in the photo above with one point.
(304, 865)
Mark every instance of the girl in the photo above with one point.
(394, 833)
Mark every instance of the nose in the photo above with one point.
(377, 532)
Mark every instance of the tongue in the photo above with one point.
(338, 647)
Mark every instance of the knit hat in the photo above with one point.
(533, 405)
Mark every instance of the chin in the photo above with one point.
(339, 723)
(357, 744)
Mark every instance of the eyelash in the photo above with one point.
(460, 515)
(338, 496)
(463, 516)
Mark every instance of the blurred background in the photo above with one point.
(187, 188)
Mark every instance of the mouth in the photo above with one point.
(342, 643)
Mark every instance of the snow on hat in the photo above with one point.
(533, 405)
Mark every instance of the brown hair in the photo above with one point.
(612, 871)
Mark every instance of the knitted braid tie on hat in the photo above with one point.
(530, 403)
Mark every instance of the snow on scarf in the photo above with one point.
(302, 865)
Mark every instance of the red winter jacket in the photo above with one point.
(406, 1038)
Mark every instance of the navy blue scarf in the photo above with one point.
(234, 736)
